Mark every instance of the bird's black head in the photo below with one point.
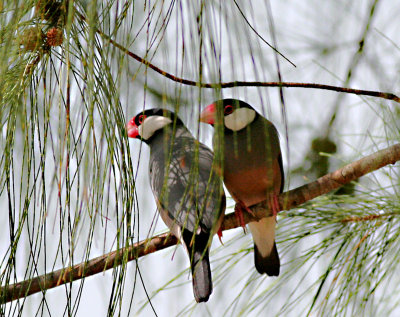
(236, 114)
(146, 123)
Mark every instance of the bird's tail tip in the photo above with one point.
(270, 264)
(202, 282)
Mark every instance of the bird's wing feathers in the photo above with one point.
(187, 189)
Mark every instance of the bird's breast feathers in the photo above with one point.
(251, 185)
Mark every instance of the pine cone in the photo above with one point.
(32, 39)
(55, 37)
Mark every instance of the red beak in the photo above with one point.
(132, 128)
(208, 115)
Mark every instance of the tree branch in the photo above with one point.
(324, 184)
(372, 93)
(287, 200)
(384, 95)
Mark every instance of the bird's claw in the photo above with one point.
(219, 234)
(239, 207)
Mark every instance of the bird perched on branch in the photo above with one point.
(251, 160)
(188, 193)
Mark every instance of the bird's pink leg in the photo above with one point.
(242, 206)
(239, 208)
(273, 203)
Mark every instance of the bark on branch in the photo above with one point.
(287, 200)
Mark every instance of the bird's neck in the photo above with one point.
(163, 139)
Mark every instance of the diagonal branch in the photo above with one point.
(325, 184)
(287, 200)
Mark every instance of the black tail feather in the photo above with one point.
(200, 265)
(269, 264)
(202, 283)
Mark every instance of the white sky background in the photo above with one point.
(321, 38)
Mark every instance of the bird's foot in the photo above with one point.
(244, 207)
(239, 208)
(273, 203)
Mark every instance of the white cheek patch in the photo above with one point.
(239, 119)
(151, 124)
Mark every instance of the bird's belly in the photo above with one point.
(252, 185)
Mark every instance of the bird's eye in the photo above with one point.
(141, 118)
(228, 109)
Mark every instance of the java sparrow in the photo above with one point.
(188, 192)
(251, 161)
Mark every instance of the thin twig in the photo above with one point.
(353, 65)
(259, 35)
(372, 93)
(287, 201)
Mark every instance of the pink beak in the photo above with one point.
(132, 128)
(208, 114)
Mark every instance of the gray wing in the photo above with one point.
(185, 185)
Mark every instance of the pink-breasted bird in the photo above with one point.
(187, 190)
(251, 162)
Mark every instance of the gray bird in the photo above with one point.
(188, 193)
(252, 169)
